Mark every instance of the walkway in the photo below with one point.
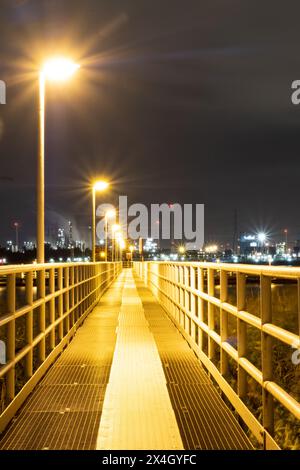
(128, 380)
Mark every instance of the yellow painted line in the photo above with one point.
(137, 412)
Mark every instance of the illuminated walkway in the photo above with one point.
(128, 380)
(137, 411)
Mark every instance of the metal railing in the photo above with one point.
(196, 297)
(55, 299)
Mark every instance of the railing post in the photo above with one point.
(200, 288)
(266, 346)
(66, 299)
(211, 316)
(223, 320)
(298, 305)
(29, 324)
(60, 303)
(193, 302)
(76, 292)
(11, 335)
(41, 292)
(173, 279)
(241, 333)
(52, 306)
(186, 298)
(71, 295)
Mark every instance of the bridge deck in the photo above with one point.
(128, 380)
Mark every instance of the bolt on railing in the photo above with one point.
(57, 299)
(187, 291)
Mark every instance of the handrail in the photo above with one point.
(65, 294)
(183, 288)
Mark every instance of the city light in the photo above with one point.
(261, 236)
(110, 214)
(115, 228)
(181, 249)
(211, 249)
(100, 185)
(122, 243)
(59, 69)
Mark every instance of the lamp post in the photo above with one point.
(286, 240)
(57, 69)
(131, 249)
(108, 215)
(98, 186)
(16, 225)
(122, 246)
(115, 228)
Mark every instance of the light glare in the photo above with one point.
(261, 237)
(110, 214)
(59, 69)
(101, 185)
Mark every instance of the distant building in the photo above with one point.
(280, 248)
(248, 243)
(9, 245)
(80, 244)
(71, 241)
(150, 246)
(296, 248)
(28, 246)
(61, 239)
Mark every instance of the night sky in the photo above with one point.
(182, 101)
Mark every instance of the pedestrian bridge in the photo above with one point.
(158, 356)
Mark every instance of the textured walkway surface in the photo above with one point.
(137, 411)
(64, 411)
(204, 420)
(128, 380)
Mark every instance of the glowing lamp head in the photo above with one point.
(181, 250)
(100, 185)
(116, 228)
(122, 244)
(110, 214)
(261, 237)
(59, 69)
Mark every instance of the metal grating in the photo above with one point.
(137, 411)
(52, 430)
(74, 375)
(204, 420)
(65, 398)
(64, 410)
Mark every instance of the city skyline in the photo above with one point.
(188, 127)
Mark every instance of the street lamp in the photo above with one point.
(181, 249)
(98, 186)
(115, 229)
(56, 69)
(122, 246)
(286, 239)
(131, 249)
(110, 214)
(261, 237)
(16, 225)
